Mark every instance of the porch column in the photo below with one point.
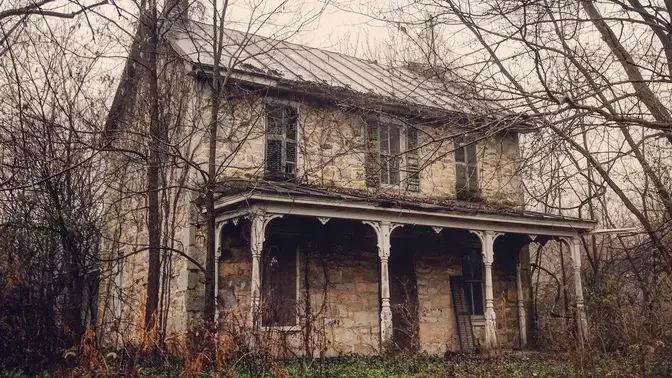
(487, 243)
(522, 316)
(218, 252)
(581, 319)
(256, 246)
(383, 230)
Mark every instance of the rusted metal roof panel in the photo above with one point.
(289, 62)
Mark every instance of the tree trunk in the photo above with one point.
(153, 185)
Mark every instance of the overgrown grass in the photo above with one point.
(540, 365)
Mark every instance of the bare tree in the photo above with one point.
(49, 202)
(594, 78)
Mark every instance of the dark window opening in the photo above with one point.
(281, 125)
(412, 159)
(472, 276)
(391, 149)
(279, 284)
(466, 169)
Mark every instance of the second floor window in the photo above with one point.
(466, 169)
(392, 155)
(281, 125)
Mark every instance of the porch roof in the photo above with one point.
(292, 198)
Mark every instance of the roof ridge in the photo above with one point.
(303, 67)
(300, 45)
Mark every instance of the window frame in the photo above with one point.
(463, 144)
(473, 258)
(297, 295)
(282, 174)
(384, 160)
(387, 159)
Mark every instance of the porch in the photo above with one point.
(347, 275)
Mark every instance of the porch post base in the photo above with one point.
(490, 330)
(385, 325)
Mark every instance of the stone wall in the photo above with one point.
(124, 242)
(331, 152)
(339, 278)
(438, 329)
(339, 282)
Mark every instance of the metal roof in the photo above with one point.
(297, 64)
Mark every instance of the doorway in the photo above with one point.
(404, 297)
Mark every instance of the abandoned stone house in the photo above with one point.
(359, 207)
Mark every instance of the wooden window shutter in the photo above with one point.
(412, 159)
(372, 158)
(472, 168)
(281, 143)
(273, 156)
(291, 121)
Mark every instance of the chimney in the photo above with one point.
(176, 12)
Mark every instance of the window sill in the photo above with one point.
(274, 176)
(469, 196)
(281, 328)
(390, 186)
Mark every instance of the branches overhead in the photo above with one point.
(40, 8)
(595, 75)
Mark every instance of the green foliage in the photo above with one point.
(539, 365)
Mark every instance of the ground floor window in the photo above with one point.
(472, 275)
(279, 284)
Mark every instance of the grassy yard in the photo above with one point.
(537, 366)
(541, 365)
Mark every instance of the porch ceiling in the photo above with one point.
(238, 197)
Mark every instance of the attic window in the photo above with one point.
(466, 168)
(281, 125)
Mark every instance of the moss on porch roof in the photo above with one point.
(389, 200)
